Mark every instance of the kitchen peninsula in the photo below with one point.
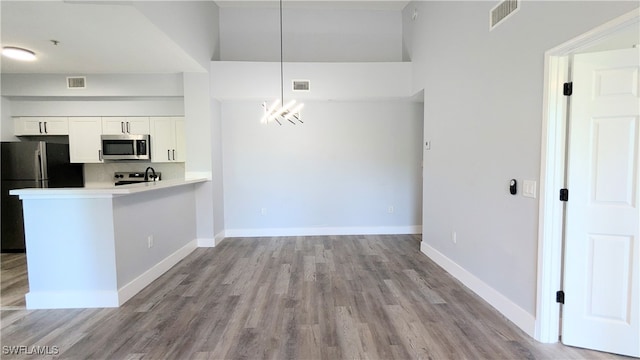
(98, 247)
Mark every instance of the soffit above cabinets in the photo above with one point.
(397, 5)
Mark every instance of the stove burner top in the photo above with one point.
(125, 178)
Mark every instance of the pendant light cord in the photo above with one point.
(281, 62)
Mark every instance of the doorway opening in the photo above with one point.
(609, 36)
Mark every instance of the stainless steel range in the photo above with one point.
(125, 178)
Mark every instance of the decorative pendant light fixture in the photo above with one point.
(285, 112)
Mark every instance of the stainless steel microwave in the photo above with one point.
(126, 147)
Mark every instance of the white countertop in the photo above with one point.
(35, 193)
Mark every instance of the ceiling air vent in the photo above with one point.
(76, 82)
(301, 85)
(502, 11)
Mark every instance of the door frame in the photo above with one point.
(552, 172)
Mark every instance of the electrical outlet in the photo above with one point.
(263, 211)
(454, 237)
(150, 241)
(427, 145)
(390, 209)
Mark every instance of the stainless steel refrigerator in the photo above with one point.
(31, 164)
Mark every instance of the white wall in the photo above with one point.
(198, 123)
(6, 123)
(192, 25)
(217, 175)
(117, 85)
(310, 34)
(483, 112)
(337, 173)
(173, 106)
(328, 81)
(169, 215)
(198, 131)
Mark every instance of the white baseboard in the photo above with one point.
(211, 242)
(206, 242)
(71, 299)
(127, 291)
(506, 307)
(323, 231)
(219, 237)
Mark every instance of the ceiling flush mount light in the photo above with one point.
(278, 111)
(18, 53)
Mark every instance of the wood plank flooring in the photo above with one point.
(332, 297)
(13, 281)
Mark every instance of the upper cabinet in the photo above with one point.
(125, 125)
(24, 126)
(85, 145)
(167, 139)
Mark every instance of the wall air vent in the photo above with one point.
(502, 11)
(77, 82)
(301, 85)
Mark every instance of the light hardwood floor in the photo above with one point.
(13, 281)
(342, 297)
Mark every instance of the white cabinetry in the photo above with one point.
(41, 126)
(85, 145)
(84, 139)
(125, 125)
(167, 139)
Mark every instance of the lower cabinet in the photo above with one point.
(85, 145)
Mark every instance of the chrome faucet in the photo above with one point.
(153, 174)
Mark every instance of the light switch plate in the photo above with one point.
(529, 189)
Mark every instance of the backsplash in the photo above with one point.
(101, 175)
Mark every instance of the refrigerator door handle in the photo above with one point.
(42, 161)
(37, 164)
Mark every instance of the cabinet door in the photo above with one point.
(27, 126)
(137, 125)
(114, 125)
(55, 125)
(181, 147)
(162, 139)
(84, 140)
(41, 126)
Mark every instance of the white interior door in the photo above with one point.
(602, 249)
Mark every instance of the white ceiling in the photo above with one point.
(112, 36)
(95, 37)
